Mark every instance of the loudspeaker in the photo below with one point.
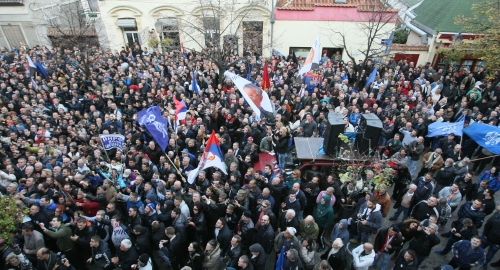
(335, 126)
(370, 128)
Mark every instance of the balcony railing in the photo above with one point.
(11, 2)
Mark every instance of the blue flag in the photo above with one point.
(372, 77)
(110, 141)
(388, 43)
(194, 84)
(445, 129)
(144, 114)
(249, 77)
(281, 259)
(156, 125)
(41, 69)
(485, 135)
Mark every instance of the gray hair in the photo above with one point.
(126, 243)
(291, 211)
(339, 242)
(433, 225)
(293, 255)
(413, 186)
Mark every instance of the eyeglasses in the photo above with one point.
(265, 206)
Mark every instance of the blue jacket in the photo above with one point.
(476, 216)
(488, 176)
(353, 118)
(467, 255)
(494, 184)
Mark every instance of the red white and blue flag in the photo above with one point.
(180, 112)
(212, 157)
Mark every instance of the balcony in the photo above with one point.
(11, 3)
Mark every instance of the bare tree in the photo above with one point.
(216, 29)
(73, 26)
(375, 22)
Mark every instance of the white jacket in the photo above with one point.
(362, 262)
(6, 179)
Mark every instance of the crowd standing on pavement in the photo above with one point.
(134, 209)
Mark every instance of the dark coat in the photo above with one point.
(402, 264)
(265, 237)
(337, 260)
(127, 258)
(142, 242)
(476, 216)
(224, 240)
(380, 241)
(423, 243)
(232, 257)
(283, 223)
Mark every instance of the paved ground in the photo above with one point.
(437, 260)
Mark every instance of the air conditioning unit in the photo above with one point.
(340, 1)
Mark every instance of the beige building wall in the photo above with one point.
(304, 33)
(147, 13)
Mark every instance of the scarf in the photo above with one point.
(450, 197)
(429, 163)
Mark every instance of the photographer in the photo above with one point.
(48, 260)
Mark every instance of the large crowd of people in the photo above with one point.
(133, 208)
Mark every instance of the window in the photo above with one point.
(170, 30)
(467, 64)
(252, 36)
(211, 25)
(14, 35)
(300, 51)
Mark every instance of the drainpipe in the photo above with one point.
(272, 26)
(412, 27)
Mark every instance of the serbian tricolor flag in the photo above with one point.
(183, 51)
(313, 58)
(30, 67)
(265, 78)
(180, 112)
(212, 157)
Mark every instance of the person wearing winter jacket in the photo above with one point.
(324, 218)
(473, 211)
(491, 237)
(336, 255)
(386, 243)
(100, 253)
(17, 260)
(467, 253)
(259, 256)
(423, 242)
(307, 252)
(340, 231)
(369, 221)
(452, 195)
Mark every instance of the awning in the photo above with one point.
(126, 23)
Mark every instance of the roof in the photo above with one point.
(361, 5)
(439, 16)
(409, 47)
(411, 3)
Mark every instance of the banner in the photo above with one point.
(254, 95)
(110, 141)
(485, 135)
(372, 77)
(445, 129)
(312, 60)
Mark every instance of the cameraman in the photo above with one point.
(48, 260)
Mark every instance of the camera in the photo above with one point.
(61, 258)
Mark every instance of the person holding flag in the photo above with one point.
(211, 157)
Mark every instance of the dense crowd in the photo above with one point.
(134, 208)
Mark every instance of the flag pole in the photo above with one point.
(484, 158)
(459, 153)
(177, 169)
(105, 152)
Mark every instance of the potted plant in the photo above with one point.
(165, 43)
(153, 43)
